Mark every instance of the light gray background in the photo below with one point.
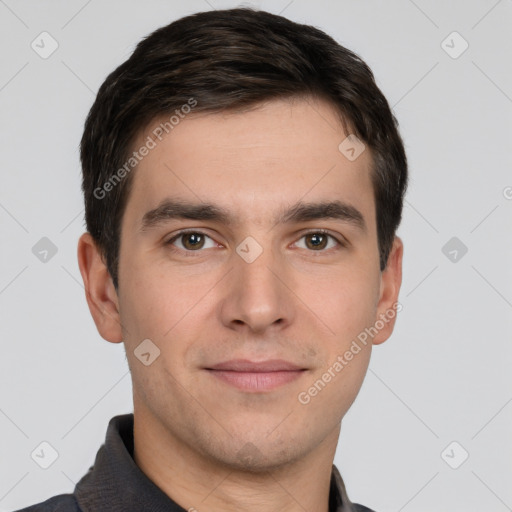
(444, 375)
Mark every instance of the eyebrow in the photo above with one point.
(170, 209)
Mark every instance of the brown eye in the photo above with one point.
(316, 241)
(191, 241)
(319, 241)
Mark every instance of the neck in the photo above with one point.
(198, 483)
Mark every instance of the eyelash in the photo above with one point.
(323, 232)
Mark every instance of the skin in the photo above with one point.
(294, 302)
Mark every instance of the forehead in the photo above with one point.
(252, 162)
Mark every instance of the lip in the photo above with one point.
(254, 376)
(245, 365)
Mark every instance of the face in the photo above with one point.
(252, 300)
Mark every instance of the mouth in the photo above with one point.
(260, 376)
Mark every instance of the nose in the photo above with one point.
(257, 295)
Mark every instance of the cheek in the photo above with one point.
(166, 308)
(348, 306)
(344, 299)
(333, 387)
(155, 310)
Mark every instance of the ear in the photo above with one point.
(99, 290)
(388, 306)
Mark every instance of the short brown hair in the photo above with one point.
(229, 60)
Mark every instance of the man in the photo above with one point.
(243, 180)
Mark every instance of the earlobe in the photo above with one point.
(100, 292)
(388, 306)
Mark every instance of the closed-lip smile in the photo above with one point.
(255, 376)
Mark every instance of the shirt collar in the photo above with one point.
(117, 484)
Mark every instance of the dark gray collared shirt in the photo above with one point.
(116, 484)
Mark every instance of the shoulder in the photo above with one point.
(361, 508)
(61, 503)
